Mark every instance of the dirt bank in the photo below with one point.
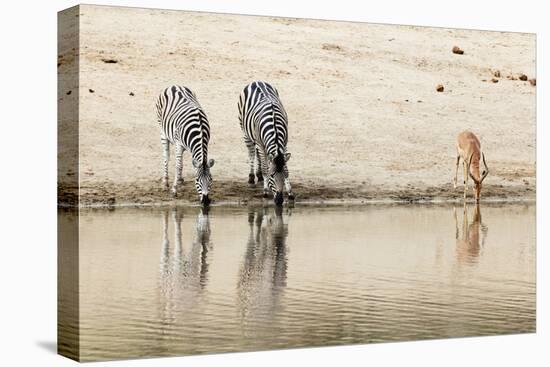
(151, 193)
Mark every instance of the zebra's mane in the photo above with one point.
(202, 137)
(279, 158)
(275, 138)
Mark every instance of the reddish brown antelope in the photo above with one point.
(469, 149)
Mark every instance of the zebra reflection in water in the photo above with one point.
(184, 272)
(263, 273)
(468, 247)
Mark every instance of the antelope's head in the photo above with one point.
(480, 176)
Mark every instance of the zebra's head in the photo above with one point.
(203, 179)
(277, 173)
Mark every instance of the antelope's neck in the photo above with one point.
(474, 167)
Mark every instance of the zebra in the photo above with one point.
(264, 124)
(183, 123)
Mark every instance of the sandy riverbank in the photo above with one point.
(366, 121)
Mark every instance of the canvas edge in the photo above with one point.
(68, 305)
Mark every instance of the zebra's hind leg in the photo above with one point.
(251, 155)
(259, 175)
(166, 156)
(177, 176)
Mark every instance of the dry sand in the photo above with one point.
(365, 119)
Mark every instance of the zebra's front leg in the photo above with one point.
(177, 176)
(266, 189)
(263, 169)
(251, 155)
(166, 156)
(288, 187)
(179, 173)
(291, 195)
(259, 174)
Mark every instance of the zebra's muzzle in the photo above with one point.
(205, 200)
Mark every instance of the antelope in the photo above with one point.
(469, 149)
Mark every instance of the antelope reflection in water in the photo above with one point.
(262, 277)
(183, 273)
(468, 247)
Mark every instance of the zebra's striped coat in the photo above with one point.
(264, 123)
(184, 124)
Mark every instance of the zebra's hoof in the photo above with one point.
(260, 178)
(266, 195)
(180, 181)
(251, 179)
(174, 193)
(291, 197)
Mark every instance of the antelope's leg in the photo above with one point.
(466, 168)
(179, 151)
(166, 156)
(456, 170)
(251, 156)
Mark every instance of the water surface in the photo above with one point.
(162, 282)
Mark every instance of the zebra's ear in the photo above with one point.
(211, 163)
(196, 163)
(287, 157)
